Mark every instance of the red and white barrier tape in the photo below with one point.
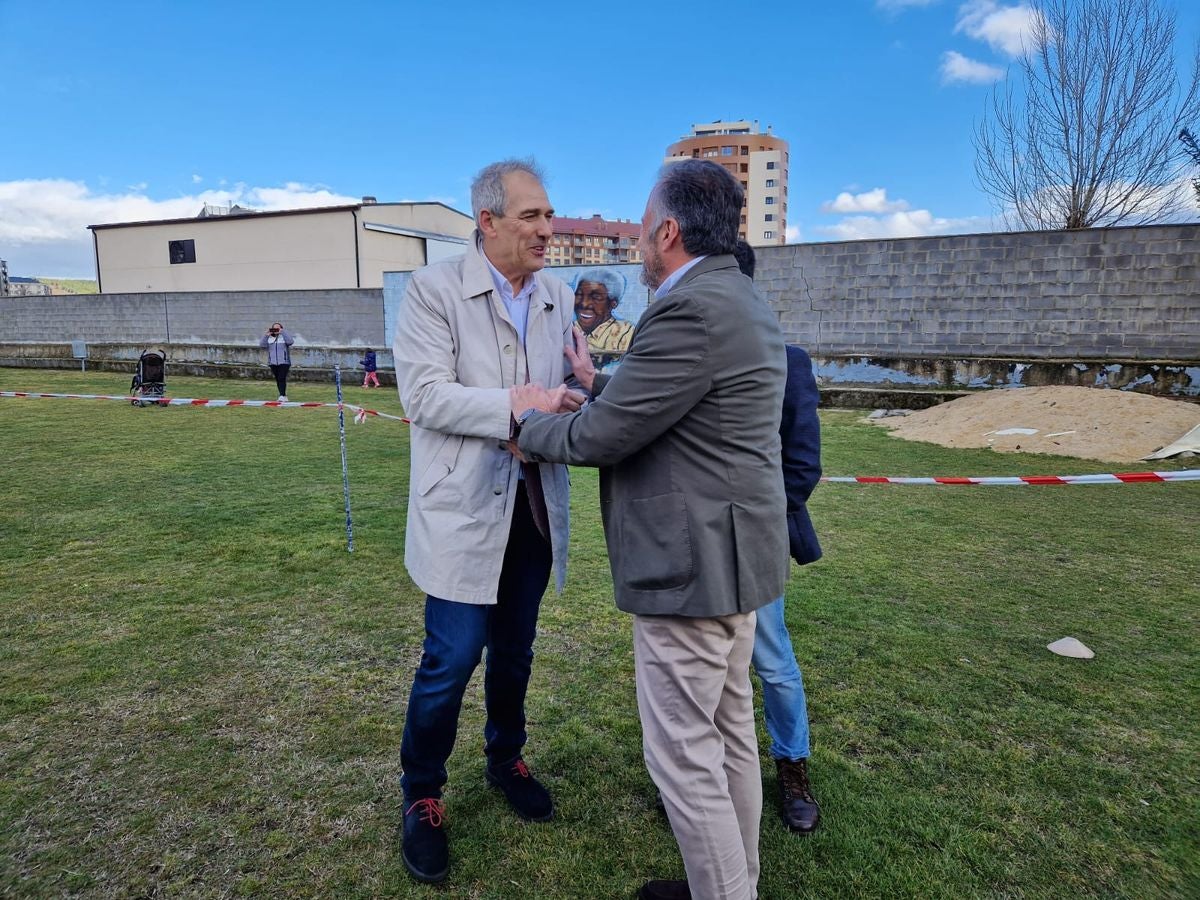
(360, 413)
(1118, 478)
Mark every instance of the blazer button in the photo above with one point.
(497, 490)
(508, 349)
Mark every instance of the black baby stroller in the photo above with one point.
(149, 385)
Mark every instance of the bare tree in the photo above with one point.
(1193, 150)
(1089, 135)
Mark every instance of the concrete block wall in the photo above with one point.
(1100, 294)
(322, 318)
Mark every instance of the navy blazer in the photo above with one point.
(800, 432)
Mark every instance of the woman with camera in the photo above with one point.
(277, 343)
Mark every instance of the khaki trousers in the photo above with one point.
(697, 712)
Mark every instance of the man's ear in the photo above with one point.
(669, 234)
(487, 223)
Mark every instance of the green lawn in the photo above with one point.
(202, 693)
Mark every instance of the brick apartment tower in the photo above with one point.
(758, 160)
(593, 241)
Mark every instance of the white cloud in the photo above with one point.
(43, 223)
(907, 223)
(957, 68)
(1004, 28)
(874, 201)
(196, 179)
(792, 234)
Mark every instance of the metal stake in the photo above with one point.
(337, 377)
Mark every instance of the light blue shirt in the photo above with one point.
(518, 306)
(673, 279)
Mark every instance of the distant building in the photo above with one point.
(235, 249)
(759, 161)
(27, 287)
(587, 242)
(3, 278)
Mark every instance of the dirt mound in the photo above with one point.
(1090, 423)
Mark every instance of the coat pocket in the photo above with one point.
(442, 464)
(656, 543)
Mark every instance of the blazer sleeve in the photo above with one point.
(800, 438)
(800, 430)
(262, 342)
(423, 353)
(288, 340)
(661, 378)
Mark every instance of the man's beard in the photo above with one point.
(652, 269)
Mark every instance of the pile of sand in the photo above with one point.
(1092, 423)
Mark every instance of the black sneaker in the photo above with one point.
(424, 848)
(525, 793)
(665, 890)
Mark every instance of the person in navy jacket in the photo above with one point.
(784, 705)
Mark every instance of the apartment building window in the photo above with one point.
(745, 151)
(769, 217)
(745, 168)
(770, 165)
(769, 200)
(181, 251)
(743, 222)
(770, 182)
(768, 234)
(727, 151)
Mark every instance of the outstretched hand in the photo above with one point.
(533, 396)
(580, 358)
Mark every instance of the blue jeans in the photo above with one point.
(456, 635)
(784, 706)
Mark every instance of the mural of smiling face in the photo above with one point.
(592, 305)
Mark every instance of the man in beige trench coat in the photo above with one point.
(484, 530)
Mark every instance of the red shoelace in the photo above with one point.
(519, 768)
(431, 810)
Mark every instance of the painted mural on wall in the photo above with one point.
(609, 300)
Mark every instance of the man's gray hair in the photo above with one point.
(613, 282)
(487, 190)
(706, 201)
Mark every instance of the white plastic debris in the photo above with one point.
(1189, 443)
(1017, 431)
(1071, 647)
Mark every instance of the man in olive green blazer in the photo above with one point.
(686, 435)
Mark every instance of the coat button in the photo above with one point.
(508, 349)
(497, 491)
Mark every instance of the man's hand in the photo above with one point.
(534, 396)
(580, 358)
(511, 446)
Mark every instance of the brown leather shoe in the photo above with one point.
(665, 890)
(800, 810)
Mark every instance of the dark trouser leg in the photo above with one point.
(281, 375)
(523, 580)
(455, 634)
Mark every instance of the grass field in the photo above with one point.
(202, 693)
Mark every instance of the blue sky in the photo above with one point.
(121, 111)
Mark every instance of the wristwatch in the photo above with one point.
(519, 421)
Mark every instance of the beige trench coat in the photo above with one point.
(456, 354)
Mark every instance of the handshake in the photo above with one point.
(533, 396)
(548, 400)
